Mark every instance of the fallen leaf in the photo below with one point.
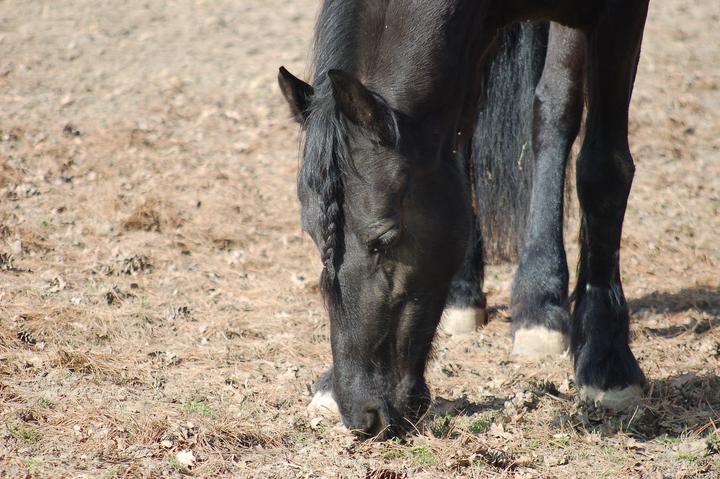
(185, 457)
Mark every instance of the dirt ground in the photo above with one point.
(159, 313)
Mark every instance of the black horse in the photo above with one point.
(397, 192)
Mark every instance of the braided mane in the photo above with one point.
(326, 156)
(326, 144)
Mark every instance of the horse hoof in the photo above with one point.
(456, 321)
(538, 342)
(323, 402)
(615, 399)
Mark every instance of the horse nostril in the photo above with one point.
(371, 421)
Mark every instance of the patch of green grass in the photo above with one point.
(424, 456)
(713, 442)
(394, 453)
(42, 402)
(176, 466)
(668, 440)
(610, 451)
(33, 465)
(25, 434)
(561, 442)
(615, 423)
(481, 425)
(198, 407)
(687, 457)
(442, 426)
(631, 425)
(535, 443)
(583, 454)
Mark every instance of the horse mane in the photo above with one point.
(326, 153)
(326, 156)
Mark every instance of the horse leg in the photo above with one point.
(465, 309)
(606, 370)
(540, 288)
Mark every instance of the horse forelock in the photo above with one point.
(326, 156)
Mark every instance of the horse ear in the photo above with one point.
(361, 106)
(297, 93)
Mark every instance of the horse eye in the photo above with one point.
(384, 241)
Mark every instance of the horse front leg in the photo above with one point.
(605, 368)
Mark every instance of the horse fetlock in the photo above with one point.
(605, 367)
(539, 292)
(540, 309)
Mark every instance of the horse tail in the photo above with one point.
(502, 153)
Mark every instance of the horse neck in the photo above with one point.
(426, 63)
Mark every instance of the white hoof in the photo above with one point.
(462, 320)
(323, 403)
(539, 342)
(615, 399)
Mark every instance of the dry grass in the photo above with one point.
(159, 314)
(102, 366)
(152, 215)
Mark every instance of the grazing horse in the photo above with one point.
(397, 193)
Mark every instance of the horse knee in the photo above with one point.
(604, 178)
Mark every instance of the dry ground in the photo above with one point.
(157, 296)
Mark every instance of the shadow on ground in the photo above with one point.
(703, 299)
(682, 404)
(674, 407)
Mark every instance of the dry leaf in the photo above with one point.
(498, 430)
(185, 457)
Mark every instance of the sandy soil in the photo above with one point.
(159, 313)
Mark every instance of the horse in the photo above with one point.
(437, 132)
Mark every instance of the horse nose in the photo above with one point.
(372, 421)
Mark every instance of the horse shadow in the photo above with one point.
(678, 406)
(706, 301)
(685, 403)
(674, 407)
